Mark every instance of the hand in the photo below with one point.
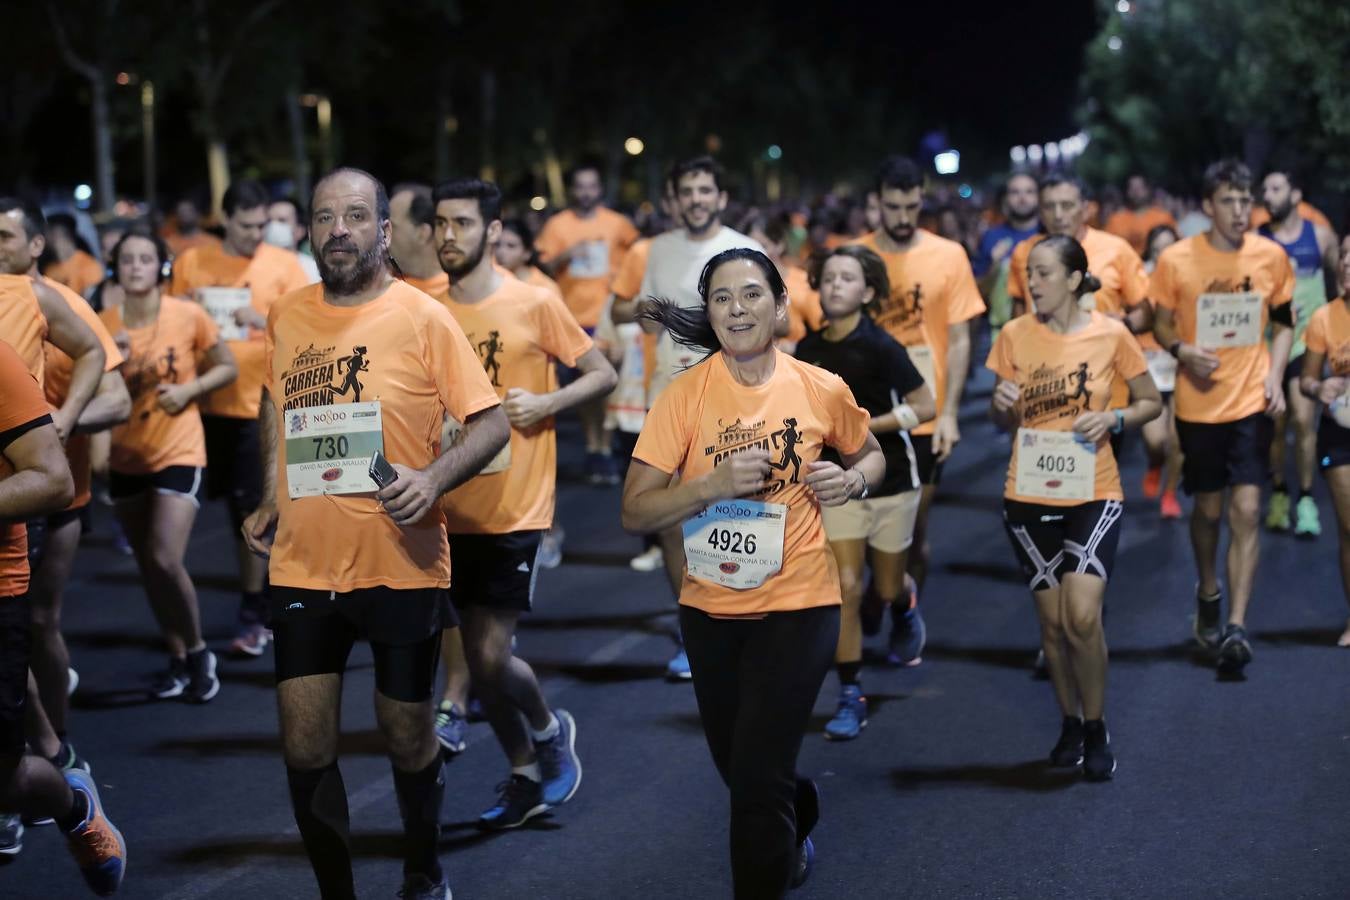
(1094, 426)
(740, 475)
(946, 435)
(1274, 395)
(832, 485)
(1332, 389)
(64, 425)
(174, 398)
(524, 409)
(1006, 396)
(247, 315)
(260, 528)
(123, 342)
(410, 496)
(1199, 362)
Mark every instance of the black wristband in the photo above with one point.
(1175, 349)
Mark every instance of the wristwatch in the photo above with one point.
(1175, 349)
(1120, 422)
(863, 494)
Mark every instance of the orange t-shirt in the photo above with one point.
(181, 243)
(59, 368)
(79, 273)
(537, 278)
(268, 274)
(1329, 334)
(1261, 216)
(704, 415)
(1192, 267)
(21, 402)
(627, 280)
(1063, 376)
(22, 324)
(584, 281)
(413, 360)
(433, 286)
(1135, 226)
(167, 351)
(517, 332)
(804, 310)
(932, 288)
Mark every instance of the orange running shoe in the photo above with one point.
(96, 843)
(1152, 482)
(1171, 507)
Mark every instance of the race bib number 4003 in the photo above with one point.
(328, 448)
(1228, 320)
(735, 543)
(1055, 465)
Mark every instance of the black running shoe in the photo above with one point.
(519, 800)
(1099, 763)
(1208, 615)
(1069, 751)
(172, 682)
(1235, 651)
(203, 684)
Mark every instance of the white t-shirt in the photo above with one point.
(673, 266)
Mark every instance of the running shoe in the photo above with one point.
(558, 761)
(1277, 514)
(593, 474)
(1235, 651)
(678, 667)
(451, 728)
(203, 684)
(908, 636)
(96, 843)
(11, 834)
(250, 640)
(171, 682)
(1307, 521)
(1152, 482)
(648, 560)
(420, 887)
(851, 717)
(1099, 763)
(72, 682)
(1208, 612)
(518, 800)
(550, 549)
(607, 471)
(1170, 506)
(806, 861)
(1069, 751)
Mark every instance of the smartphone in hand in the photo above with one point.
(381, 472)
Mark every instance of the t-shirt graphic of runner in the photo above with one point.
(356, 363)
(1082, 376)
(488, 350)
(790, 438)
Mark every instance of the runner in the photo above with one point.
(1139, 215)
(515, 253)
(885, 383)
(35, 482)
(348, 563)
(1215, 293)
(1312, 249)
(185, 231)
(990, 265)
(804, 312)
(1328, 338)
(932, 303)
(156, 458)
(497, 519)
(286, 229)
(1160, 435)
(1062, 501)
(73, 266)
(580, 246)
(413, 244)
(237, 282)
(759, 606)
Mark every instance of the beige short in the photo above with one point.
(886, 523)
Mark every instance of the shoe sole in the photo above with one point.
(17, 847)
(451, 748)
(1100, 778)
(169, 695)
(681, 676)
(533, 811)
(1235, 660)
(244, 650)
(572, 752)
(846, 737)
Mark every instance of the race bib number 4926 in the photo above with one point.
(735, 543)
(328, 448)
(1055, 465)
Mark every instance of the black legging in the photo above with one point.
(756, 681)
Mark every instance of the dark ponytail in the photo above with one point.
(690, 327)
(1074, 259)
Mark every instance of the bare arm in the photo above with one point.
(415, 491)
(1331, 258)
(1139, 318)
(77, 340)
(41, 481)
(260, 527)
(920, 400)
(947, 433)
(598, 378)
(111, 405)
(176, 397)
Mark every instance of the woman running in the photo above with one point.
(1062, 501)
(156, 458)
(1160, 435)
(759, 604)
(1328, 340)
(516, 254)
(885, 383)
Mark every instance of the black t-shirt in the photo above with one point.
(878, 370)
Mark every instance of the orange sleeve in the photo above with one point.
(965, 302)
(627, 281)
(1133, 279)
(665, 436)
(848, 420)
(1161, 287)
(21, 399)
(559, 334)
(628, 234)
(1017, 272)
(1129, 358)
(180, 285)
(1316, 335)
(1284, 284)
(296, 278)
(1000, 360)
(205, 334)
(463, 386)
(548, 243)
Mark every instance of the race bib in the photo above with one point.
(221, 303)
(328, 448)
(1163, 367)
(1055, 465)
(735, 543)
(922, 357)
(1228, 320)
(452, 432)
(591, 260)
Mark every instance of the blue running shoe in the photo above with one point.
(851, 718)
(558, 761)
(518, 800)
(908, 635)
(451, 728)
(806, 861)
(96, 844)
(678, 667)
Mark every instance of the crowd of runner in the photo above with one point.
(369, 380)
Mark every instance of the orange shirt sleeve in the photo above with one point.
(627, 280)
(549, 242)
(1129, 359)
(1161, 284)
(1000, 360)
(205, 335)
(1316, 335)
(1017, 271)
(1133, 279)
(665, 433)
(22, 397)
(1284, 285)
(965, 302)
(848, 421)
(559, 334)
(463, 386)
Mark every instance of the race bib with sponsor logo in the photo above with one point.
(1055, 465)
(1163, 367)
(1228, 320)
(328, 448)
(735, 543)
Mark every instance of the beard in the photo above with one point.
(1281, 212)
(361, 274)
(901, 234)
(468, 263)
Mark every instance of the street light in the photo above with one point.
(634, 146)
(948, 162)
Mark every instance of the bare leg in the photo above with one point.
(1244, 548)
(1303, 412)
(37, 726)
(506, 683)
(1083, 596)
(918, 551)
(1338, 479)
(171, 526)
(1205, 523)
(50, 660)
(456, 668)
(1049, 608)
(849, 559)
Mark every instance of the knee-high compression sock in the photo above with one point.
(319, 799)
(419, 803)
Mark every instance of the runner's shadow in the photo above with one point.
(1035, 775)
(634, 622)
(609, 673)
(459, 835)
(989, 570)
(1002, 657)
(354, 743)
(208, 581)
(1182, 651)
(117, 698)
(1312, 637)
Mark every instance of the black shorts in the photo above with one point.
(1051, 541)
(15, 628)
(1333, 443)
(173, 481)
(315, 631)
(38, 529)
(1225, 454)
(930, 470)
(494, 570)
(1293, 369)
(233, 470)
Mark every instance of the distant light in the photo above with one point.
(1034, 153)
(538, 204)
(775, 151)
(964, 192)
(634, 146)
(83, 193)
(713, 143)
(948, 162)
(1052, 151)
(1114, 43)
(451, 124)
(1123, 6)
(310, 100)
(1018, 154)
(124, 78)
